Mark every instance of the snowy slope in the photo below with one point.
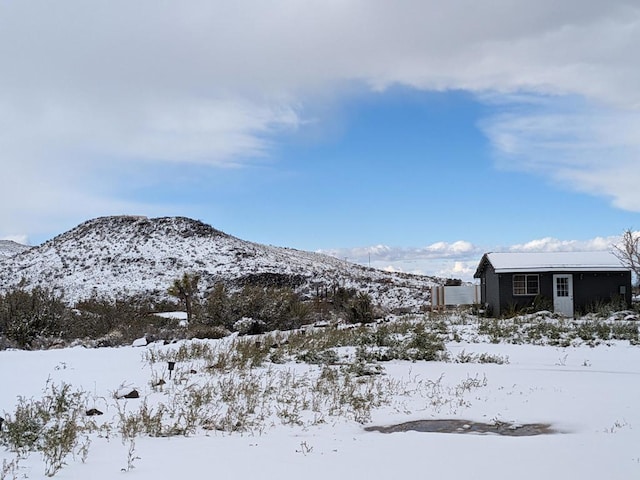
(9, 248)
(116, 256)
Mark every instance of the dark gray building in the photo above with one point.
(570, 281)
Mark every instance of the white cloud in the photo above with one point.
(462, 247)
(84, 83)
(69, 162)
(448, 249)
(549, 244)
(22, 239)
(461, 270)
(399, 255)
(583, 148)
(458, 259)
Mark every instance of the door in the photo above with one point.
(563, 294)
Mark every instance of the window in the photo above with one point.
(526, 284)
(562, 287)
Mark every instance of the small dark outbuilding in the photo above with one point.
(571, 281)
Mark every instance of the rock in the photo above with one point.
(93, 412)
(132, 394)
(127, 392)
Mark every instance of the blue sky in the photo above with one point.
(412, 136)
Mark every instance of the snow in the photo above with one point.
(117, 257)
(9, 248)
(590, 394)
(172, 315)
(554, 261)
(139, 342)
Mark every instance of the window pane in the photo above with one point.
(519, 285)
(532, 284)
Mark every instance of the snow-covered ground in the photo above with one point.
(9, 248)
(589, 395)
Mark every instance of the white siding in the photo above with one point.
(452, 296)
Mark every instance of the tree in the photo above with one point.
(218, 306)
(361, 309)
(628, 251)
(185, 289)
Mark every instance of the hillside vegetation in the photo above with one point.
(105, 280)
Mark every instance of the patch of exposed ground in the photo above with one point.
(464, 426)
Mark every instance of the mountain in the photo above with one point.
(9, 248)
(126, 255)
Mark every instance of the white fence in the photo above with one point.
(442, 297)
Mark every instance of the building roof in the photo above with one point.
(551, 262)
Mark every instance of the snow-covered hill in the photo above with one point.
(9, 248)
(125, 255)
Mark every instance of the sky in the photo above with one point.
(407, 135)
